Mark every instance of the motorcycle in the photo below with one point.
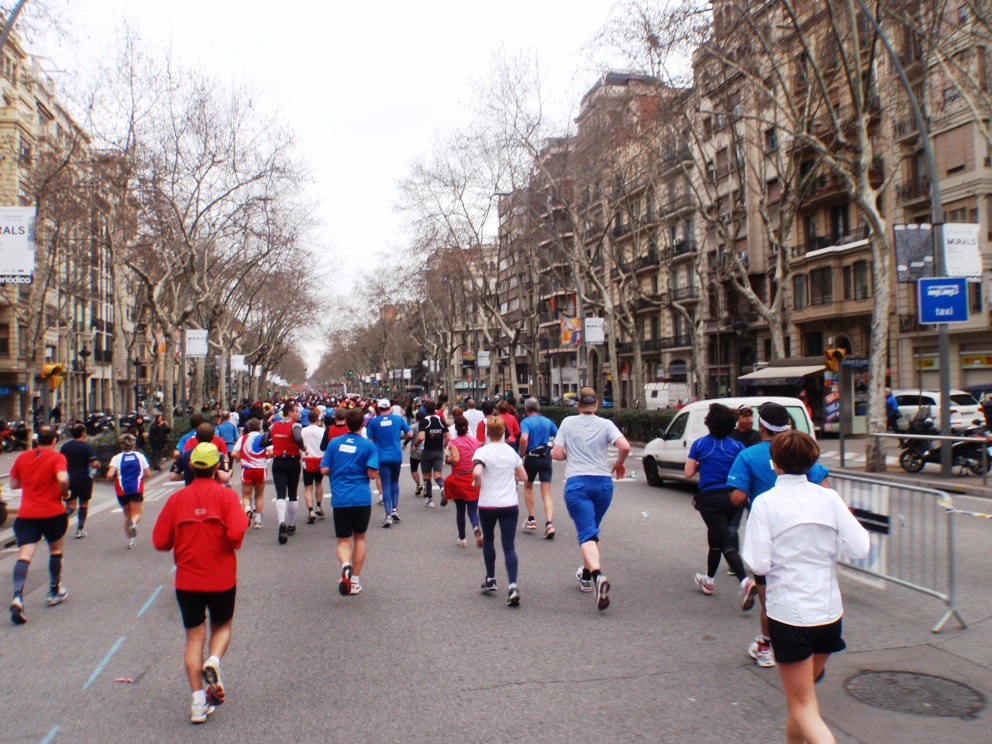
(13, 436)
(966, 454)
(97, 422)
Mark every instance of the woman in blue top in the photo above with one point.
(712, 456)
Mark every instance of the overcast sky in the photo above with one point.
(365, 86)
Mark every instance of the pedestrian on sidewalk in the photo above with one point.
(128, 470)
(458, 485)
(794, 536)
(157, 434)
(497, 469)
(82, 463)
(583, 442)
(203, 525)
(42, 476)
(351, 461)
(712, 456)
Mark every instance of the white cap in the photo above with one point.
(384, 403)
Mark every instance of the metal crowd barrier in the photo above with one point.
(912, 536)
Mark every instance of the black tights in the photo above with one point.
(718, 512)
(507, 518)
(286, 477)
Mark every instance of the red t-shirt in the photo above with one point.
(219, 443)
(38, 471)
(203, 524)
(512, 427)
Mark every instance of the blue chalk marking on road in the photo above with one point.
(50, 736)
(149, 602)
(106, 659)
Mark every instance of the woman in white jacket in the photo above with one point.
(794, 535)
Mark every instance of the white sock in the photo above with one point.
(258, 518)
(281, 510)
(200, 697)
(215, 660)
(356, 579)
(294, 506)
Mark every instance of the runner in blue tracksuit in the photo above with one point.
(387, 431)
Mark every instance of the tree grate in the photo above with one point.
(919, 694)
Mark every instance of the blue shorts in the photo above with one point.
(587, 497)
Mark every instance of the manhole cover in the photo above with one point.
(922, 694)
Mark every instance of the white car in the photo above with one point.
(664, 457)
(964, 408)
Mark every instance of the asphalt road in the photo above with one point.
(421, 655)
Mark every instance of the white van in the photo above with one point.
(665, 395)
(664, 457)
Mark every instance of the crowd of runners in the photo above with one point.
(473, 457)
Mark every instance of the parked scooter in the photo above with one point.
(965, 454)
(99, 421)
(13, 436)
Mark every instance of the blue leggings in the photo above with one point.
(461, 506)
(389, 474)
(507, 518)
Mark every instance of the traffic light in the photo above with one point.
(833, 358)
(54, 373)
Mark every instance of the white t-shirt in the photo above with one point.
(473, 416)
(311, 440)
(586, 439)
(499, 485)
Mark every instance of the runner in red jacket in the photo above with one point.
(203, 524)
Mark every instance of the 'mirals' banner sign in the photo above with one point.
(16, 245)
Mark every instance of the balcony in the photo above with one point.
(676, 202)
(913, 191)
(682, 248)
(649, 302)
(684, 294)
(654, 344)
(904, 128)
(676, 342)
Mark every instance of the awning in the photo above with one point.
(780, 375)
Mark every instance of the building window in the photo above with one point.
(821, 289)
(771, 139)
(951, 94)
(974, 300)
(799, 299)
(857, 281)
(4, 339)
(963, 14)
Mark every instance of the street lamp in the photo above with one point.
(137, 397)
(84, 353)
(739, 325)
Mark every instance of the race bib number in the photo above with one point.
(349, 448)
(386, 422)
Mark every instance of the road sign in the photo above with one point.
(943, 300)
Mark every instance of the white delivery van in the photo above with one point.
(664, 457)
(665, 395)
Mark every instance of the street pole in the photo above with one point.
(85, 354)
(937, 220)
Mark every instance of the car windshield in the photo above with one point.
(963, 399)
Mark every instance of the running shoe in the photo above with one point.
(602, 592)
(761, 651)
(584, 584)
(356, 588)
(530, 525)
(395, 515)
(80, 534)
(444, 499)
(311, 518)
(198, 712)
(462, 543)
(17, 616)
(489, 586)
(549, 531)
(748, 591)
(430, 503)
(319, 511)
(257, 526)
(132, 529)
(420, 490)
(344, 586)
(283, 534)
(57, 595)
(704, 582)
(249, 512)
(478, 536)
(215, 687)
(379, 502)
(291, 529)
(513, 596)
(387, 522)
(131, 543)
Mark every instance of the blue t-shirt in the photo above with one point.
(715, 457)
(539, 429)
(228, 432)
(753, 472)
(181, 444)
(304, 417)
(386, 432)
(348, 457)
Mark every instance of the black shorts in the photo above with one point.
(538, 466)
(82, 490)
(29, 530)
(431, 461)
(351, 520)
(414, 464)
(311, 478)
(194, 605)
(130, 498)
(792, 643)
